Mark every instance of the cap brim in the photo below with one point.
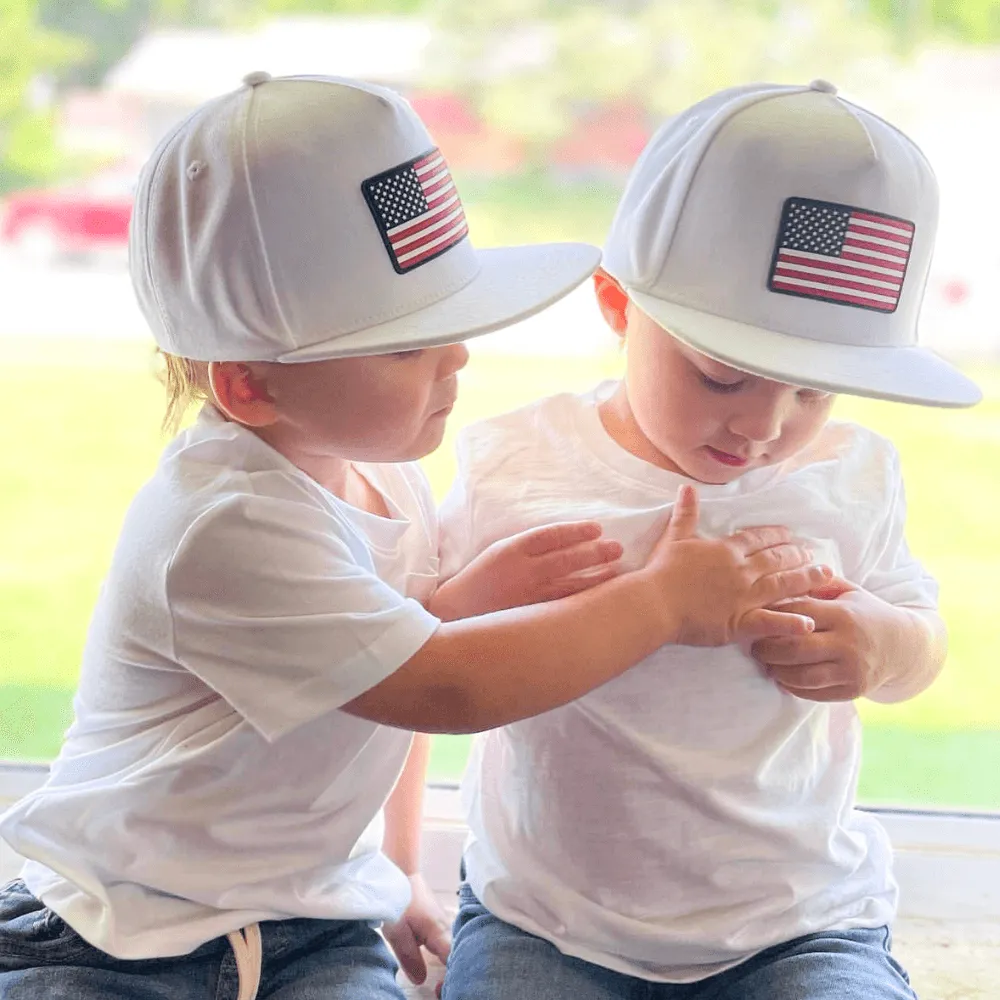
(902, 374)
(512, 284)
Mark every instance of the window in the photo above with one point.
(84, 410)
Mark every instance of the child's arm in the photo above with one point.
(863, 646)
(540, 564)
(484, 672)
(424, 923)
(879, 637)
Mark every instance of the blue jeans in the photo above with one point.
(41, 958)
(493, 960)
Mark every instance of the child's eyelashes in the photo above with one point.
(813, 395)
(721, 387)
(408, 354)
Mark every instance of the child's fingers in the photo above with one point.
(776, 558)
(784, 650)
(790, 583)
(684, 517)
(750, 541)
(832, 589)
(407, 949)
(552, 537)
(805, 676)
(584, 581)
(765, 623)
(568, 561)
(438, 943)
(843, 692)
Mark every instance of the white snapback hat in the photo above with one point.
(305, 218)
(788, 233)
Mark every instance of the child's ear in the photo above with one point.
(613, 301)
(241, 393)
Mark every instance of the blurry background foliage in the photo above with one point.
(658, 54)
(538, 89)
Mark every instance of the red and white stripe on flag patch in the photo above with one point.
(417, 210)
(838, 253)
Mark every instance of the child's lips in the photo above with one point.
(725, 457)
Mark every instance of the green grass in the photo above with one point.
(33, 719)
(931, 767)
(86, 436)
(521, 209)
(901, 766)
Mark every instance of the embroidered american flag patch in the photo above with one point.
(838, 253)
(417, 210)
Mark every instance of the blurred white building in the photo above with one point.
(169, 72)
(948, 100)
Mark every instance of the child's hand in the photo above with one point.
(541, 564)
(849, 654)
(719, 591)
(424, 924)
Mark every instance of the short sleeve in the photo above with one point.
(889, 570)
(276, 606)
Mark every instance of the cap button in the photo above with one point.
(823, 86)
(256, 78)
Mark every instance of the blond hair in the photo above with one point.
(186, 383)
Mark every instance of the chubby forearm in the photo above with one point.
(404, 809)
(492, 669)
(915, 653)
(483, 672)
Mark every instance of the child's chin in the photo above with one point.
(711, 473)
(429, 442)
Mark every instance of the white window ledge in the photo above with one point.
(947, 864)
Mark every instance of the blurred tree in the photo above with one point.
(344, 7)
(532, 66)
(708, 44)
(109, 28)
(30, 56)
(911, 21)
(235, 12)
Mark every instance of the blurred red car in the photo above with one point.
(70, 220)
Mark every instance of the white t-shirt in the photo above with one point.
(689, 813)
(209, 780)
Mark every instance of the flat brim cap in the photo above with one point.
(512, 284)
(789, 233)
(308, 218)
(903, 374)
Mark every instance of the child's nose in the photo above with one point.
(454, 357)
(760, 420)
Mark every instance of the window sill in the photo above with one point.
(947, 864)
